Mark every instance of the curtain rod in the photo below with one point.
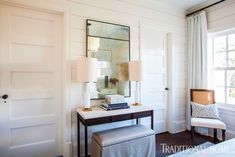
(206, 7)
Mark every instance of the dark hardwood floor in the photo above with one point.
(177, 142)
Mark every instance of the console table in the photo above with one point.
(99, 116)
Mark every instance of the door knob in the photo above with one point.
(5, 96)
(166, 88)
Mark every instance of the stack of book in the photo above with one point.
(115, 106)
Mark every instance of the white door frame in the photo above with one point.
(163, 123)
(170, 75)
(65, 139)
(171, 86)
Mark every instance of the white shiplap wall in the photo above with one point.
(131, 13)
(126, 12)
(221, 18)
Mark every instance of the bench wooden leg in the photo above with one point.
(192, 132)
(215, 135)
(223, 134)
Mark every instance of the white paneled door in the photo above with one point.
(153, 92)
(30, 75)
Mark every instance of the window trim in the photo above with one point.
(226, 68)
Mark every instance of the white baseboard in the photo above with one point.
(178, 126)
(67, 152)
(230, 134)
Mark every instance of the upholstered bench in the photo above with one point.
(130, 141)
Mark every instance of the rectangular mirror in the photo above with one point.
(110, 44)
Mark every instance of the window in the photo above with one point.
(222, 49)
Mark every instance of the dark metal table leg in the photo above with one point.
(152, 120)
(78, 135)
(137, 120)
(86, 142)
(215, 135)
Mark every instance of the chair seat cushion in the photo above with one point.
(208, 123)
(118, 135)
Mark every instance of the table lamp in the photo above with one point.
(86, 73)
(135, 74)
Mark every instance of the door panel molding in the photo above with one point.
(154, 52)
(38, 122)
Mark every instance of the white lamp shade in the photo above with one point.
(135, 71)
(124, 72)
(86, 69)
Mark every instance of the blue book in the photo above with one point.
(113, 108)
(116, 105)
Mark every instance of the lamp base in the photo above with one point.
(87, 109)
(137, 104)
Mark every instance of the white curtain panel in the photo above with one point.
(197, 56)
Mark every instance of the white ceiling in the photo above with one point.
(182, 4)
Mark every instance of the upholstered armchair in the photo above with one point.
(205, 97)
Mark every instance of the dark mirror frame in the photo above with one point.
(87, 35)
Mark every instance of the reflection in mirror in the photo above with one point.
(110, 44)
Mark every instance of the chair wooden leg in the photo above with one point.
(215, 135)
(223, 134)
(192, 132)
